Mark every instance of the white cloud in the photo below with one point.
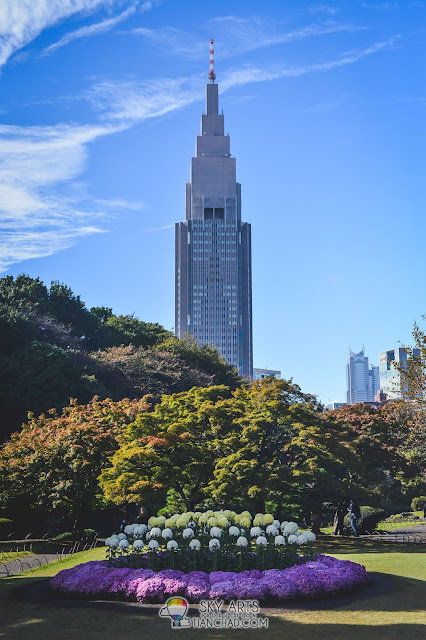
(133, 101)
(23, 20)
(35, 220)
(131, 205)
(91, 30)
(235, 35)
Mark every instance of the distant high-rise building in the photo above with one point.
(213, 247)
(362, 383)
(335, 405)
(260, 374)
(390, 378)
(373, 382)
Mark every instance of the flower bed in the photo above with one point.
(319, 577)
(210, 541)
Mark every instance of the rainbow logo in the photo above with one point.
(176, 608)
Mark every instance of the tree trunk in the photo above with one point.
(316, 520)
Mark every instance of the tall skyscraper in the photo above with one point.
(391, 382)
(362, 382)
(213, 247)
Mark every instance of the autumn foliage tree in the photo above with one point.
(54, 462)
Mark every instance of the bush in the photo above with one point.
(89, 534)
(370, 517)
(418, 503)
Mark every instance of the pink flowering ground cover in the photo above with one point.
(322, 577)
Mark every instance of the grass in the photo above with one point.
(385, 615)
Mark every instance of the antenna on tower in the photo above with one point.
(212, 75)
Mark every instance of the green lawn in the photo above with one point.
(395, 612)
(5, 556)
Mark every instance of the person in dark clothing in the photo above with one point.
(354, 514)
(339, 517)
(122, 526)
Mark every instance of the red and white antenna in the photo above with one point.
(212, 75)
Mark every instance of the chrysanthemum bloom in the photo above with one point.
(222, 522)
(212, 521)
(234, 531)
(292, 539)
(268, 518)
(279, 540)
(122, 536)
(242, 541)
(172, 545)
(215, 532)
(261, 541)
(167, 533)
(153, 545)
(129, 529)
(259, 520)
(138, 544)
(195, 544)
(188, 533)
(123, 544)
(272, 530)
(291, 528)
(214, 544)
(139, 530)
(155, 532)
(255, 532)
(284, 523)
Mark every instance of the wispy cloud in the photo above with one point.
(235, 35)
(38, 163)
(324, 8)
(91, 30)
(131, 205)
(21, 22)
(133, 101)
(35, 219)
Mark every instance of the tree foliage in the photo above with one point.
(53, 348)
(53, 463)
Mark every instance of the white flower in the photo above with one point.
(276, 523)
(242, 541)
(153, 544)
(262, 541)
(292, 539)
(122, 536)
(272, 530)
(167, 533)
(155, 532)
(284, 523)
(123, 544)
(129, 529)
(291, 527)
(279, 540)
(138, 544)
(234, 531)
(172, 545)
(195, 544)
(255, 531)
(309, 536)
(139, 530)
(214, 544)
(188, 533)
(148, 536)
(215, 532)
(301, 540)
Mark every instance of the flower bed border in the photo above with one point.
(324, 577)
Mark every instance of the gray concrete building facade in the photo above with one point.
(213, 296)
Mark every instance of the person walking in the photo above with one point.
(354, 514)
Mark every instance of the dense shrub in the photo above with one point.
(370, 517)
(418, 503)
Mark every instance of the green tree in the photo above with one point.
(171, 447)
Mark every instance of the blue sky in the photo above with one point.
(325, 103)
